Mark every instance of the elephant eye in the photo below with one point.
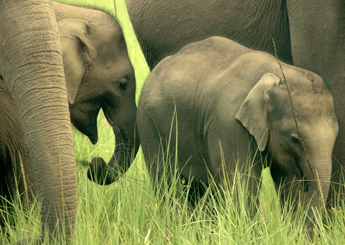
(123, 85)
(296, 139)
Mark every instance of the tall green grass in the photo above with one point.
(129, 212)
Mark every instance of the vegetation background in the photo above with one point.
(128, 212)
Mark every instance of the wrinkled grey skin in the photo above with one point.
(32, 68)
(308, 34)
(16, 171)
(229, 97)
(94, 54)
(99, 75)
(164, 27)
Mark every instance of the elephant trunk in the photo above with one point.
(31, 65)
(318, 175)
(126, 148)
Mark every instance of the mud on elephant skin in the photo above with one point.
(225, 93)
(99, 75)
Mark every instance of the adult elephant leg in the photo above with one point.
(31, 64)
(317, 29)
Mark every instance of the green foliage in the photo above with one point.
(129, 212)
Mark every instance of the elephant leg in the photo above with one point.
(158, 152)
(240, 176)
(318, 45)
(160, 165)
(5, 190)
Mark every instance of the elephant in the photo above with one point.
(31, 66)
(215, 104)
(308, 34)
(99, 75)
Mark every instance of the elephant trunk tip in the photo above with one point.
(99, 172)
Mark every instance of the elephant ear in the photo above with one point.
(77, 52)
(253, 111)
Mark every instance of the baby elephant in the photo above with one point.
(231, 109)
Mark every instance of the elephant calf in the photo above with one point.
(230, 104)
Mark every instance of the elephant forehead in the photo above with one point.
(307, 110)
(301, 98)
(313, 106)
(319, 133)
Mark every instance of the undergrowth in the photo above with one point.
(129, 212)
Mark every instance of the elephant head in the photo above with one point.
(300, 138)
(99, 75)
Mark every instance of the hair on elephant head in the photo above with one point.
(99, 75)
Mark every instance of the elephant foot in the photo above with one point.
(99, 172)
